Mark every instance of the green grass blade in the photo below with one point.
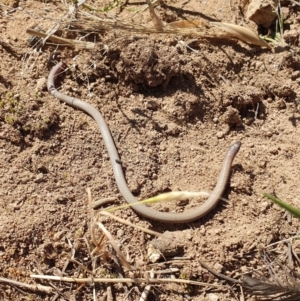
(291, 209)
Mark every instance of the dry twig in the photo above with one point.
(114, 245)
(69, 13)
(287, 290)
(62, 41)
(32, 287)
(196, 28)
(219, 275)
(126, 280)
(123, 221)
(147, 289)
(155, 19)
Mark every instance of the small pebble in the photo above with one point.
(213, 297)
(58, 235)
(220, 135)
(264, 206)
(162, 147)
(262, 164)
(245, 202)
(39, 178)
(273, 150)
(41, 84)
(152, 104)
(120, 233)
(218, 267)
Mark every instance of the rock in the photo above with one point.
(231, 116)
(291, 36)
(169, 244)
(41, 84)
(39, 178)
(152, 104)
(120, 233)
(262, 12)
(213, 297)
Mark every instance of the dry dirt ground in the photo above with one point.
(173, 113)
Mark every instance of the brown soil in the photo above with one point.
(173, 113)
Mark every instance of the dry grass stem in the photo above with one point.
(123, 221)
(147, 289)
(219, 275)
(167, 271)
(242, 33)
(90, 206)
(196, 28)
(285, 289)
(126, 280)
(93, 23)
(83, 267)
(72, 9)
(109, 293)
(154, 3)
(32, 287)
(155, 19)
(98, 242)
(200, 29)
(114, 245)
(62, 41)
(295, 2)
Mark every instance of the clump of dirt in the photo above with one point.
(145, 62)
(139, 61)
(27, 117)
